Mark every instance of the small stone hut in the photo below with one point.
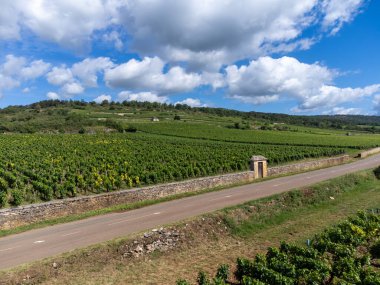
(259, 164)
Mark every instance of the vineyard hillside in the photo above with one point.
(58, 149)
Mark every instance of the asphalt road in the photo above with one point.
(40, 243)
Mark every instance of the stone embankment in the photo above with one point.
(366, 153)
(23, 215)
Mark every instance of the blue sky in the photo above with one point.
(284, 56)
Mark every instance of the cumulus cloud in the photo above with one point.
(192, 102)
(344, 111)
(36, 69)
(337, 13)
(267, 79)
(332, 95)
(376, 103)
(208, 33)
(53, 96)
(102, 98)
(74, 79)
(69, 23)
(16, 70)
(59, 76)
(148, 75)
(88, 69)
(72, 88)
(114, 37)
(142, 97)
(204, 33)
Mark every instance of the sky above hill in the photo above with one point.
(284, 56)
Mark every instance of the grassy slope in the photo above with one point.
(251, 228)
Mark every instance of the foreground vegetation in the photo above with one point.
(209, 240)
(347, 253)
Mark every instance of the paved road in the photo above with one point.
(41, 243)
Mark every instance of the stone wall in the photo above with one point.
(13, 217)
(366, 153)
(308, 165)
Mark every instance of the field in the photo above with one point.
(76, 148)
(221, 133)
(43, 167)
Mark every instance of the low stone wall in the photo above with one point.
(366, 153)
(308, 165)
(13, 217)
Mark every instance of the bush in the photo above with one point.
(377, 172)
(131, 129)
(3, 199)
(375, 249)
(3, 184)
(17, 197)
(177, 117)
(223, 272)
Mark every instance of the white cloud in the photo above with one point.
(102, 98)
(16, 70)
(203, 33)
(114, 37)
(7, 83)
(13, 65)
(53, 96)
(209, 33)
(345, 111)
(69, 23)
(26, 90)
(148, 75)
(266, 80)
(72, 88)
(191, 102)
(330, 95)
(141, 97)
(9, 21)
(59, 76)
(36, 69)
(376, 103)
(338, 12)
(88, 69)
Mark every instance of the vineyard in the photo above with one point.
(221, 133)
(43, 167)
(348, 253)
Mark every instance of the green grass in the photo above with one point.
(273, 211)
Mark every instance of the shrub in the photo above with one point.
(3, 184)
(131, 129)
(203, 279)
(223, 272)
(17, 197)
(375, 249)
(377, 172)
(3, 199)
